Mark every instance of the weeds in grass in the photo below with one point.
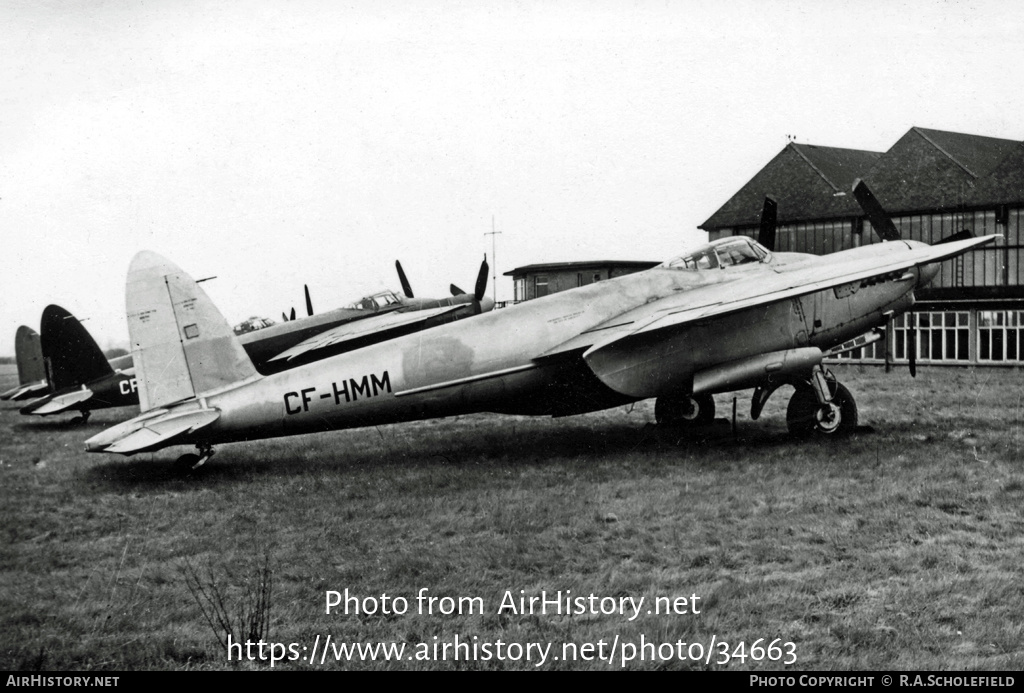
(235, 613)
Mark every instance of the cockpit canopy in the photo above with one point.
(384, 299)
(725, 252)
(252, 324)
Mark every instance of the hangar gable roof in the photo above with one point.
(933, 169)
(807, 181)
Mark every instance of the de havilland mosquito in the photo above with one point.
(729, 315)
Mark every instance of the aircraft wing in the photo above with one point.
(609, 347)
(375, 329)
(762, 290)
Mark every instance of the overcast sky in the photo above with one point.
(275, 144)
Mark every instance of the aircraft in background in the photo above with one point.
(372, 319)
(31, 372)
(80, 379)
(729, 315)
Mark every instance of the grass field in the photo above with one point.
(899, 548)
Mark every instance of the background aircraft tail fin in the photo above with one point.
(29, 354)
(181, 344)
(71, 355)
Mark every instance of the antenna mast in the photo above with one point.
(494, 259)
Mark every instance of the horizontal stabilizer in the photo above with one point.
(160, 431)
(25, 391)
(60, 403)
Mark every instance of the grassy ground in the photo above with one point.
(899, 548)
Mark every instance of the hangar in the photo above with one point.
(534, 281)
(933, 184)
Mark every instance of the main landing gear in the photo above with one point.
(684, 411)
(821, 405)
(190, 462)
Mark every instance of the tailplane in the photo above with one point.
(181, 344)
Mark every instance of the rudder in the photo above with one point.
(70, 354)
(28, 352)
(181, 344)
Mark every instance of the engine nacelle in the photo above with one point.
(775, 367)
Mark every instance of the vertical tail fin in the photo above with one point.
(28, 352)
(181, 344)
(71, 355)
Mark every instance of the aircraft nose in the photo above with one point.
(486, 304)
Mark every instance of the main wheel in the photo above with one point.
(690, 410)
(805, 417)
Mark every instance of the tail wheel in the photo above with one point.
(805, 416)
(691, 410)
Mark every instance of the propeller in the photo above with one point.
(284, 317)
(481, 281)
(887, 231)
(766, 236)
(309, 303)
(912, 345)
(406, 287)
(962, 235)
(293, 313)
(880, 221)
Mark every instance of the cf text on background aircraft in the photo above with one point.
(31, 373)
(80, 378)
(730, 315)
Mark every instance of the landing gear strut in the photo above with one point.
(821, 405)
(84, 417)
(684, 411)
(190, 462)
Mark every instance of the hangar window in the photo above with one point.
(940, 336)
(999, 335)
(540, 285)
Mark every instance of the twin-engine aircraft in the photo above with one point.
(77, 376)
(729, 315)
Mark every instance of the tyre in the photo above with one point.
(691, 410)
(805, 417)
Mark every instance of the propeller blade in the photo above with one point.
(912, 345)
(958, 236)
(293, 313)
(766, 236)
(888, 344)
(406, 287)
(284, 318)
(456, 291)
(481, 281)
(881, 222)
(309, 303)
